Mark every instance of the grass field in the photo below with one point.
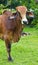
(25, 52)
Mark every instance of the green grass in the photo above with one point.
(25, 52)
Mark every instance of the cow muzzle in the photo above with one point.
(24, 20)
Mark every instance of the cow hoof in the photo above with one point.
(10, 59)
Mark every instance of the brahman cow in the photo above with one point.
(11, 26)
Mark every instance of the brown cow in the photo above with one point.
(11, 26)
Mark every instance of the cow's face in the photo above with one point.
(22, 10)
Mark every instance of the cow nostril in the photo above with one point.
(25, 21)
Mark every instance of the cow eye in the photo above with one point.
(27, 14)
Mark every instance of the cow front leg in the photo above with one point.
(8, 46)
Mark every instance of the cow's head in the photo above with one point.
(22, 10)
(21, 13)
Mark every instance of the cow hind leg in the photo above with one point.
(8, 46)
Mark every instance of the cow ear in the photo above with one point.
(29, 13)
(12, 17)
